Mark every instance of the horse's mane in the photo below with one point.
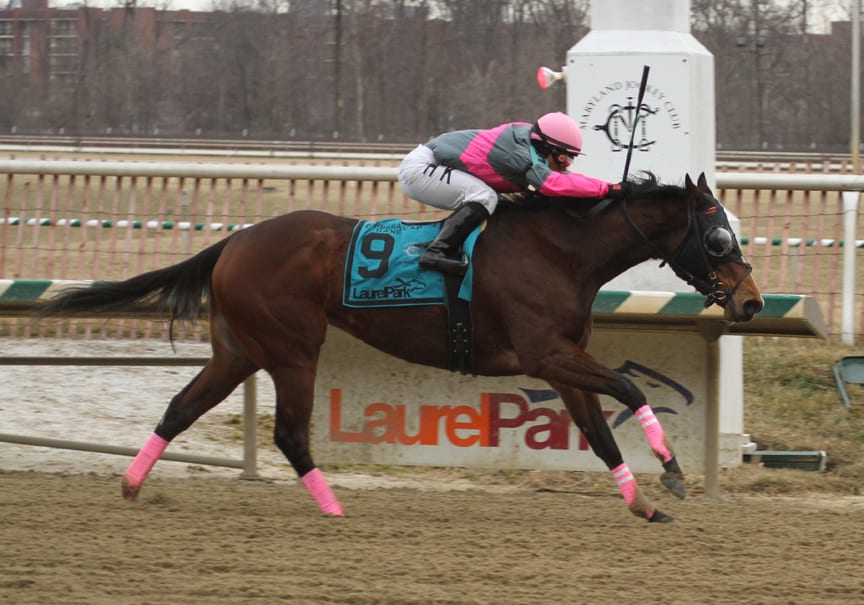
(647, 183)
(644, 186)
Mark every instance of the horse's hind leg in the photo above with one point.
(281, 322)
(585, 410)
(219, 377)
(295, 386)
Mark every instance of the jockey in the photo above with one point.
(466, 170)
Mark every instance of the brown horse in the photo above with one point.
(273, 288)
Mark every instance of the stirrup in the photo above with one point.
(444, 264)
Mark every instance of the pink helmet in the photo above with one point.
(559, 131)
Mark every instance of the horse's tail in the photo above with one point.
(182, 291)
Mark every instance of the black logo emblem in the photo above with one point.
(621, 122)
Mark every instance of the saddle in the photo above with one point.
(382, 270)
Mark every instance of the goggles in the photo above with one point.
(718, 241)
(563, 157)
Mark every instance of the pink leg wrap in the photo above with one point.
(654, 432)
(317, 485)
(626, 483)
(144, 461)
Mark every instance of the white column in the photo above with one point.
(676, 130)
(675, 135)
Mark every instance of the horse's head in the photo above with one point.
(710, 259)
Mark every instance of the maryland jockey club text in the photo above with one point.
(458, 425)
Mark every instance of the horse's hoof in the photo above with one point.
(660, 517)
(130, 492)
(674, 482)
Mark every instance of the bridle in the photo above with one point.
(696, 247)
(694, 259)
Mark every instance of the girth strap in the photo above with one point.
(460, 335)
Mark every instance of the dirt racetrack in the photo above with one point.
(412, 536)
(72, 539)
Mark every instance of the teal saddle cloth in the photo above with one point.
(382, 270)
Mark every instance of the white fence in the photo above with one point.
(57, 214)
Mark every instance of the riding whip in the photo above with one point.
(642, 86)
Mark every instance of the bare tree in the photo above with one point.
(405, 70)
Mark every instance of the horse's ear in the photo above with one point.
(688, 184)
(703, 185)
(696, 192)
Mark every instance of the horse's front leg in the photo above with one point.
(672, 477)
(573, 369)
(585, 410)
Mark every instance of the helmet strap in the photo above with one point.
(543, 148)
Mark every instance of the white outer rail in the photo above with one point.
(725, 180)
(248, 464)
(851, 185)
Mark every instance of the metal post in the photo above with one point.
(855, 121)
(711, 332)
(184, 217)
(250, 425)
(758, 43)
(712, 421)
(850, 222)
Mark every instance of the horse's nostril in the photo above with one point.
(753, 306)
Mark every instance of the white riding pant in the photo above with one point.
(424, 180)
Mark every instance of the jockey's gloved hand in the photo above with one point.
(619, 191)
(512, 198)
(521, 198)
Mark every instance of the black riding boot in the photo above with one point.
(444, 254)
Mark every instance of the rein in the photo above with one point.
(717, 292)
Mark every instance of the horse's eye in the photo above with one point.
(718, 241)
